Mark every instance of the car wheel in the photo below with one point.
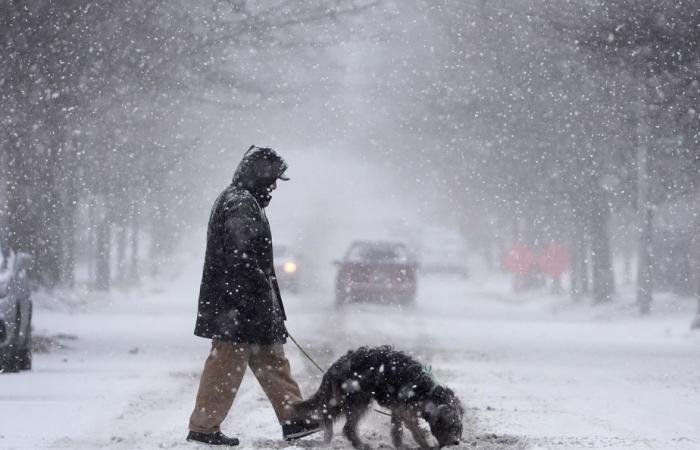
(8, 363)
(8, 360)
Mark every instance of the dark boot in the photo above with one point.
(217, 438)
(299, 428)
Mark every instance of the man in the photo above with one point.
(240, 307)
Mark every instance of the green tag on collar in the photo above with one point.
(428, 372)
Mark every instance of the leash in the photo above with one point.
(303, 352)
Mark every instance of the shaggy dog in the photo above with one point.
(397, 382)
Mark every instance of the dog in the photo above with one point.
(395, 381)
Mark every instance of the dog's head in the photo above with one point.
(445, 419)
(446, 425)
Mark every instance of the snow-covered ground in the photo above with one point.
(534, 371)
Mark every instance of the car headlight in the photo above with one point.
(289, 267)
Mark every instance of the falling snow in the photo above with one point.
(539, 162)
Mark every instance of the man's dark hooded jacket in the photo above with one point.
(239, 298)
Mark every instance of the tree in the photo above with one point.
(83, 82)
(521, 129)
(655, 46)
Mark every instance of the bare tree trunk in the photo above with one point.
(695, 324)
(134, 265)
(627, 269)
(69, 186)
(90, 244)
(646, 217)
(574, 284)
(121, 253)
(68, 260)
(640, 139)
(50, 202)
(645, 268)
(627, 248)
(103, 244)
(585, 264)
(579, 260)
(21, 221)
(4, 183)
(602, 272)
(695, 271)
(102, 263)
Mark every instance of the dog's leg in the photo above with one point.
(353, 417)
(396, 429)
(419, 435)
(350, 432)
(327, 431)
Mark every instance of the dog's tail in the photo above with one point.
(319, 404)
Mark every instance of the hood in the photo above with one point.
(259, 168)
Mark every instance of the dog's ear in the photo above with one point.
(429, 411)
(448, 413)
(432, 413)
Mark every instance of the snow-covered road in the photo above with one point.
(533, 371)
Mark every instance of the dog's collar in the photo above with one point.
(428, 372)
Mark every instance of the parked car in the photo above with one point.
(287, 268)
(381, 271)
(443, 251)
(15, 312)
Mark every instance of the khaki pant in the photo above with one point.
(222, 376)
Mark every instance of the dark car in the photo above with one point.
(287, 268)
(15, 312)
(379, 271)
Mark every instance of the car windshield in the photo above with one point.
(384, 252)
